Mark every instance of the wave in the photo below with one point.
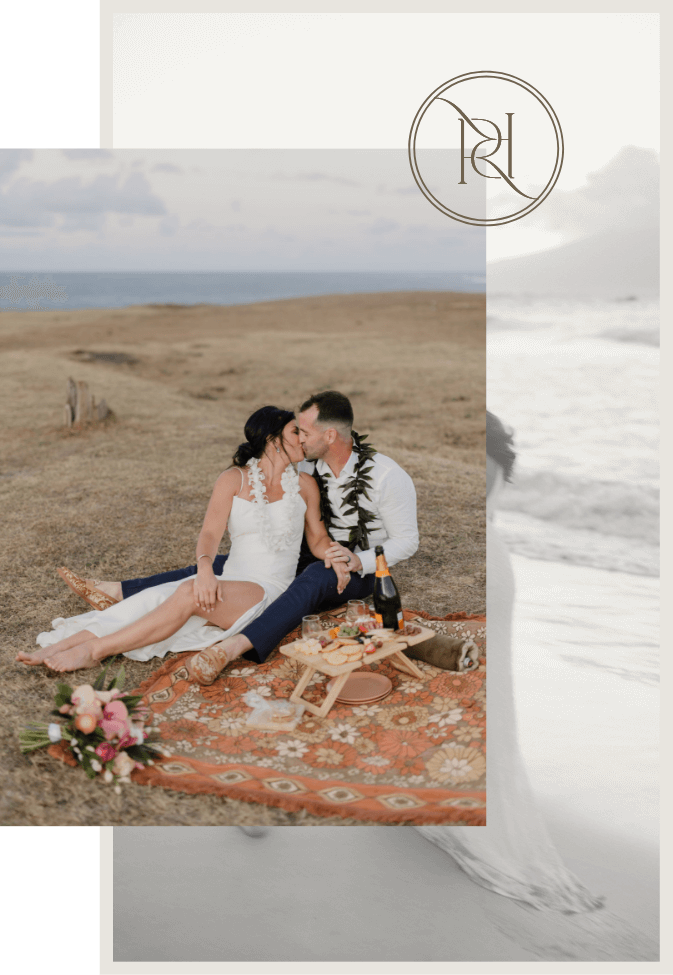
(639, 336)
(494, 323)
(616, 508)
(548, 542)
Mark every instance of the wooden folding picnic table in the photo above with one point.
(392, 648)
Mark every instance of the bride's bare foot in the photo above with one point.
(76, 658)
(37, 657)
(113, 589)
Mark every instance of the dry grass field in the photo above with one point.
(126, 498)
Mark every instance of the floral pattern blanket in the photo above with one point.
(416, 756)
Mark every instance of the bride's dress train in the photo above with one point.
(513, 854)
(265, 543)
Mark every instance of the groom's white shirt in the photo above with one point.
(393, 500)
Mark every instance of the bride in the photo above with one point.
(514, 854)
(266, 506)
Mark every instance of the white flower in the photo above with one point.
(281, 538)
(366, 710)
(378, 760)
(90, 748)
(292, 749)
(73, 742)
(118, 789)
(343, 732)
(451, 717)
(96, 765)
(229, 721)
(242, 671)
(264, 691)
(107, 775)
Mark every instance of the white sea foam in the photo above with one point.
(578, 382)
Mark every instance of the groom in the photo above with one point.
(366, 500)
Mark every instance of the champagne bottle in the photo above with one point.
(387, 602)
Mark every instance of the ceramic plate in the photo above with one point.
(364, 687)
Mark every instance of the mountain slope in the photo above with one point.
(613, 264)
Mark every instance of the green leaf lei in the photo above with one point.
(356, 486)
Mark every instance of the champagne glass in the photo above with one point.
(311, 627)
(356, 610)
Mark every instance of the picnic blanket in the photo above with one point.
(417, 756)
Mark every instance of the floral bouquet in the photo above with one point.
(104, 729)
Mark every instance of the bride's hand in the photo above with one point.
(343, 576)
(207, 591)
(337, 553)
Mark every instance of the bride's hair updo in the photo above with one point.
(499, 444)
(264, 425)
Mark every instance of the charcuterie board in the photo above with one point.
(392, 646)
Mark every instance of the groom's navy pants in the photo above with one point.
(313, 590)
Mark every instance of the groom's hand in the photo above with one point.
(340, 554)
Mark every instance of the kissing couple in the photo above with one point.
(305, 502)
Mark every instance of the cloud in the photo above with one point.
(11, 159)
(90, 155)
(622, 195)
(382, 226)
(82, 221)
(169, 225)
(31, 203)
(315, 177)
(167, 168)
(399, 190)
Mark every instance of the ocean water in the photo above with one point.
(118, 289)
(578, 383)
(577, 380)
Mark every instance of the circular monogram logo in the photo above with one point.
(486, 148)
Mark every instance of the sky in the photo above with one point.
(304, 82)
(344, 79)
(224, 209)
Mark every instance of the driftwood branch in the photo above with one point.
(81, 408)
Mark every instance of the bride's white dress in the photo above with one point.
(265, 543)
(514, 854)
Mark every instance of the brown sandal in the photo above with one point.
(206, 665)
(94, 597)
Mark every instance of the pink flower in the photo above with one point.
(86, 723)
(107, 696)
(123, 765)
(134, 736)
(114, 721)
(85, 701)
(106, 752)
(66, 709)
(83, 694)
